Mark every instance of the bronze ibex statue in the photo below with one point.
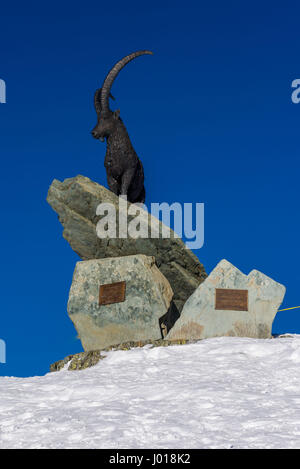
(124, 170)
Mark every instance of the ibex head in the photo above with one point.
(107, 119)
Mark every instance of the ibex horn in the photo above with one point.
(97, 102)
(107, 84)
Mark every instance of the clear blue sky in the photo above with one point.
(210, 115)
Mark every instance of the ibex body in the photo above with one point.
(124, 170)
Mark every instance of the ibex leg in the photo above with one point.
(126, 180)
(113, 184)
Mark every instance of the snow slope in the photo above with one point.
(218, 393)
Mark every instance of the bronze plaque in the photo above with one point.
(112, 293)
(234, 300)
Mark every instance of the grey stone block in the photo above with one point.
(148, 298)
(200, 319)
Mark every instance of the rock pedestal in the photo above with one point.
(168, 294)
(137, 316)
(249, 302)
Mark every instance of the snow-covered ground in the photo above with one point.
(218, 393)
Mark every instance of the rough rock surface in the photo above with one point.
(75, 201)
(148, 299)
(199, 318)
(83, 360)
